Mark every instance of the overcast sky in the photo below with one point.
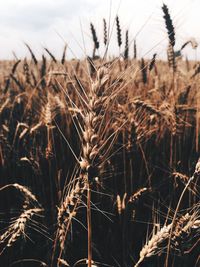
(51, 23)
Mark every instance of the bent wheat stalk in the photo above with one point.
(153, 246)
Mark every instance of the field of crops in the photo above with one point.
(99, 158)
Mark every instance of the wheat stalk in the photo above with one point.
(105, 33)
(17, 228)
(119, 35)
(169, 25)
(95, 39)
(154, 245)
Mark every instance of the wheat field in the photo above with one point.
(99, 157)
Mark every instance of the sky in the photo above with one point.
(52, 23)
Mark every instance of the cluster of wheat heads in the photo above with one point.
(108, 147)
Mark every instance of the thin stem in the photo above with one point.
(89, 226)
(174, 218)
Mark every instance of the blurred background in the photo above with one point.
(53, 23)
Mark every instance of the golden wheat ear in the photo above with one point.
(154, 245)
(18, 227)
